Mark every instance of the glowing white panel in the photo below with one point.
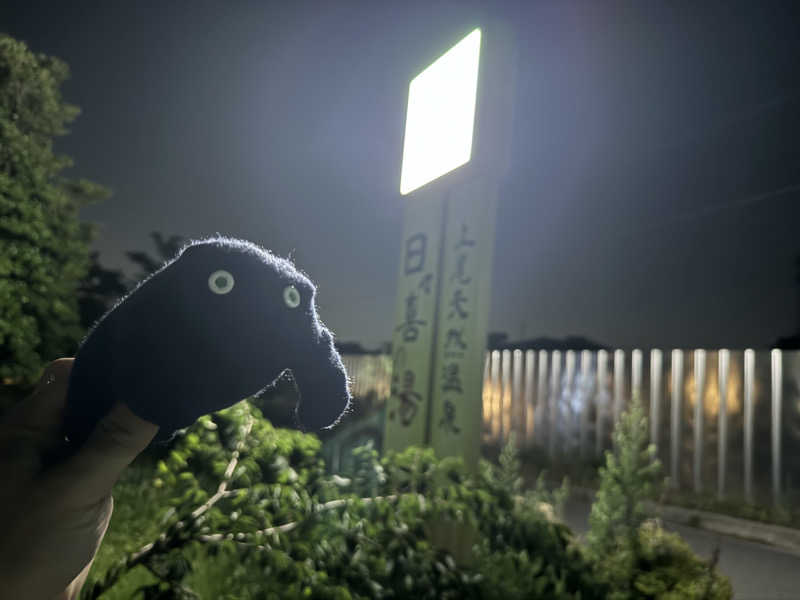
(441, 115)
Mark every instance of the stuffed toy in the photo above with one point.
(218, 323)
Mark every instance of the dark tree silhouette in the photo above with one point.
(166, 248)
(102, 287)
(99, 290)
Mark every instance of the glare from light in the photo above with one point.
(441, 115)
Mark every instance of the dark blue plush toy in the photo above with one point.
(218, 323)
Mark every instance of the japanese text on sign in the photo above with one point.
(455, 344)
(405, 397)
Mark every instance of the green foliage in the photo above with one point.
(43, 246)
(248, 511)
(510, 466)
(632, 554)
(629, 478)
(669, 570)
(235, 508)
(368, 474)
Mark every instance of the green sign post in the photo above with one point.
(456, 148)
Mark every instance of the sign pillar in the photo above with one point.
(456, 418)
(407, 411)
(450, 185)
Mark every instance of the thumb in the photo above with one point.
(89, 474)
(42, 412)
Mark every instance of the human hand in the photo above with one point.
(53, 517)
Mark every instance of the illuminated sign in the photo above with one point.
(441, 115)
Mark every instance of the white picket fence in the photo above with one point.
(566, 402)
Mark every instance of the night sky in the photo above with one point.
(654, 198)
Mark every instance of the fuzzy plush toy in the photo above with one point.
(218, 323)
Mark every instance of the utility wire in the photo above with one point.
(721, 206)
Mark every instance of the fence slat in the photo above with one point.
(619, 383)
(777, 400)
(555, 395)
(601, 401)
(699, 398)
(542, 414)
(530, 424)
(505, 410)
(566, 401)
(517, 404)
(586, 400)
(636, 374)
(496, 397)
(749, 374)
(722, 416)
(676, 421)
(656, 388)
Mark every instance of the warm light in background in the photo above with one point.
(712, 397)
(441, 115)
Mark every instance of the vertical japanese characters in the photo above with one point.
(406, 397)
(455, 342)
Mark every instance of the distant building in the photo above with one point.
(357, 348)
(500, 341)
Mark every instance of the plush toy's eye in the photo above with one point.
(291, 296)
(220, 282)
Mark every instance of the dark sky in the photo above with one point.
(654, 199)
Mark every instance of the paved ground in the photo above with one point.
(757, 571)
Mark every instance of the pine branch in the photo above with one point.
(286, 527)
(226, 477)
(172, 538)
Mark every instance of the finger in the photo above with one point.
(32, 427)
(42, 412)
(74, 589)
(91, 472)
(99, 519)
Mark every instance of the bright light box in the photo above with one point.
(441, 115)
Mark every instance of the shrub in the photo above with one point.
(249, 512)
(632, 554)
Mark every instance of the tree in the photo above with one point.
(102, 287)
(166, 249)
(631, 553)
(629, 478)
(43, 246)
(99, 290)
